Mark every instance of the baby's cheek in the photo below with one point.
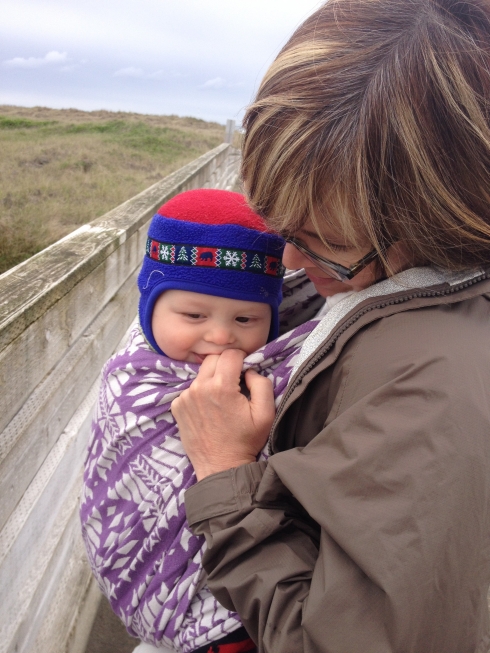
(258, 340)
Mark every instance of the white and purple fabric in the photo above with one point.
(145, 558)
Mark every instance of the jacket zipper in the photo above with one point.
(334, 337)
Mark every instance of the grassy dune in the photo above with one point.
(62, 168)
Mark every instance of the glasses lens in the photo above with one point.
(319, 263)
(325, 267)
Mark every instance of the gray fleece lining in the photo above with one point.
(422, 277)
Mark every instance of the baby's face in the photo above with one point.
(188, 326)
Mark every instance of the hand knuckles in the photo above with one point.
(194, 392)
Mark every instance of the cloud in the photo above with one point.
(158, 74)
(220, 83)
(52, 57)
(216, 82)
(132, 71)
(139, 73)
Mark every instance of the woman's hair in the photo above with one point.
(374, 119)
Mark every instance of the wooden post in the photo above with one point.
(230, 130)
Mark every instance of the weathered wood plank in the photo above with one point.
(28, 438)
(26, 361)
(29, 540)
(51, 613)
(56, 618)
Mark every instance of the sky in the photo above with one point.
(202, 58)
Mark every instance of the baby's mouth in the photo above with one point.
(199, 357)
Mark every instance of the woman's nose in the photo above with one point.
(293, 259)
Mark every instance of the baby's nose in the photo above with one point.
(221, 335)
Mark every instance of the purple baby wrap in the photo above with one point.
(145, 558)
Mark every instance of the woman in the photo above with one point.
(368, 146)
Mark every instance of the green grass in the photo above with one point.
(61, 169)
(21, 123)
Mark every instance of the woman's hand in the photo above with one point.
(219, 427)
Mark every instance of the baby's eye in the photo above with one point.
(243, 320)
(194, 316)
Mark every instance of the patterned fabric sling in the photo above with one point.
(145, 558)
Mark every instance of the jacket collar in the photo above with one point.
(421, 278)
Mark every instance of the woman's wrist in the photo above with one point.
(206, 469)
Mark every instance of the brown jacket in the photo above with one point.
(368, 531)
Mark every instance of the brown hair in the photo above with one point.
(375, 118)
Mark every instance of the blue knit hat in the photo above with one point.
(210, 241)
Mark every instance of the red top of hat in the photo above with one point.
(212, 206)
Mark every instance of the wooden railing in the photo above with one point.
(62, 314)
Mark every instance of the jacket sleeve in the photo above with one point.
(396, 482)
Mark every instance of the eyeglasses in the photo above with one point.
(335, 270)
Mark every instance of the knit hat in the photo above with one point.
(210, 241)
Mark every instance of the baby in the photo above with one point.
(211, 280)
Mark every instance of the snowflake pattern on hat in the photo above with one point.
(214, 257)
